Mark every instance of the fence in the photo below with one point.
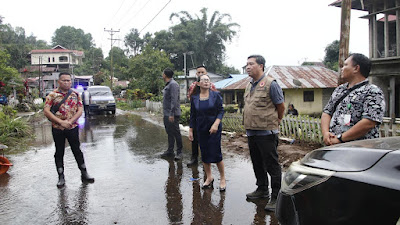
(302, 128)
(154, 106)
(305, 128)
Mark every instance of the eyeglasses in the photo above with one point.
(205, 80)
(65, 80)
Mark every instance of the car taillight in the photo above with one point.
(299, 178)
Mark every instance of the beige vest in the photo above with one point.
(259, 111)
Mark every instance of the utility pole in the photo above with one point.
(344, 36)
(40, 74)
(111, 52)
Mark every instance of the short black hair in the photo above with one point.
(64, 73)
(259, 60)
(202, 66)
(169, 73)
(363, 61)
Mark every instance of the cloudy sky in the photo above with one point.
(284, 32)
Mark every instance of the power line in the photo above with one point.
(137, 13)
(130, 8)
(155, 16)
(118, 10)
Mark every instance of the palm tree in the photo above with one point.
(206, 38)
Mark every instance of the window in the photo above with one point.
(54, 59)
(63, 59)
(49, 59)
(308, 96)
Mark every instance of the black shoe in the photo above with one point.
(271, 205)
(167, 154)
(208, 186)
(61, 181)
(178, 156)
(86, 178)
(222, 189)
(259, 193)
(192, 162)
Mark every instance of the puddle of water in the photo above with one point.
(122, 153)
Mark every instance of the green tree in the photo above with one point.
(204, 36)
(133, 42)
(92, 62)
(8, 75)
(18, 45)
(72, 38)
(120, 62)
(331, 59)
(146, 70)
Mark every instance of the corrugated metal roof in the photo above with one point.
(233, 78)
(287, 76)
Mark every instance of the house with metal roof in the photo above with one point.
(58, 57)
(307, 87)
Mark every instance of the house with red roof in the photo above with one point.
(58, 57)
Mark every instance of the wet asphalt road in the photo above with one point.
(133, 184)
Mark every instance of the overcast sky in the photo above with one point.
(285, 32)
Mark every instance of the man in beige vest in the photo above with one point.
(263, 110)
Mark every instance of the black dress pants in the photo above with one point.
(264, 156)
(72, 136)
(174, 134)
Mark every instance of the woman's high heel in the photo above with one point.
(207, 186)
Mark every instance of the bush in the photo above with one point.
(12, 130)
(129, 105)
(231, 108)
(156, 98)
(185, 117)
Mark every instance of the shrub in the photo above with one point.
(231, 108)
(185, 117)
(12, 130)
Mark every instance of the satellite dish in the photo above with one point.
(297, 82)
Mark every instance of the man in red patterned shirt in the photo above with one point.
(193, 89)
(65, 126)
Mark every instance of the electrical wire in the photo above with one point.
(155, 16)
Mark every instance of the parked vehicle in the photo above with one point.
(3, 99)
(101, 99)
(352, 183)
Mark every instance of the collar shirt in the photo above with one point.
(366, 102)
(171, 102)
(68, 109)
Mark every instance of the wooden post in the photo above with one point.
(344, 35)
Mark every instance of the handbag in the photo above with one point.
(55, 108)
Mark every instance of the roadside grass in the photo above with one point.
(13, 131)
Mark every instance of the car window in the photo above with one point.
(100, 92)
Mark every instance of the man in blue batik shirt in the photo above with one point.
(358, 115)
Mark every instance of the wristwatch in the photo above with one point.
(339, 137)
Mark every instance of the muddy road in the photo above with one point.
(133, 185)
